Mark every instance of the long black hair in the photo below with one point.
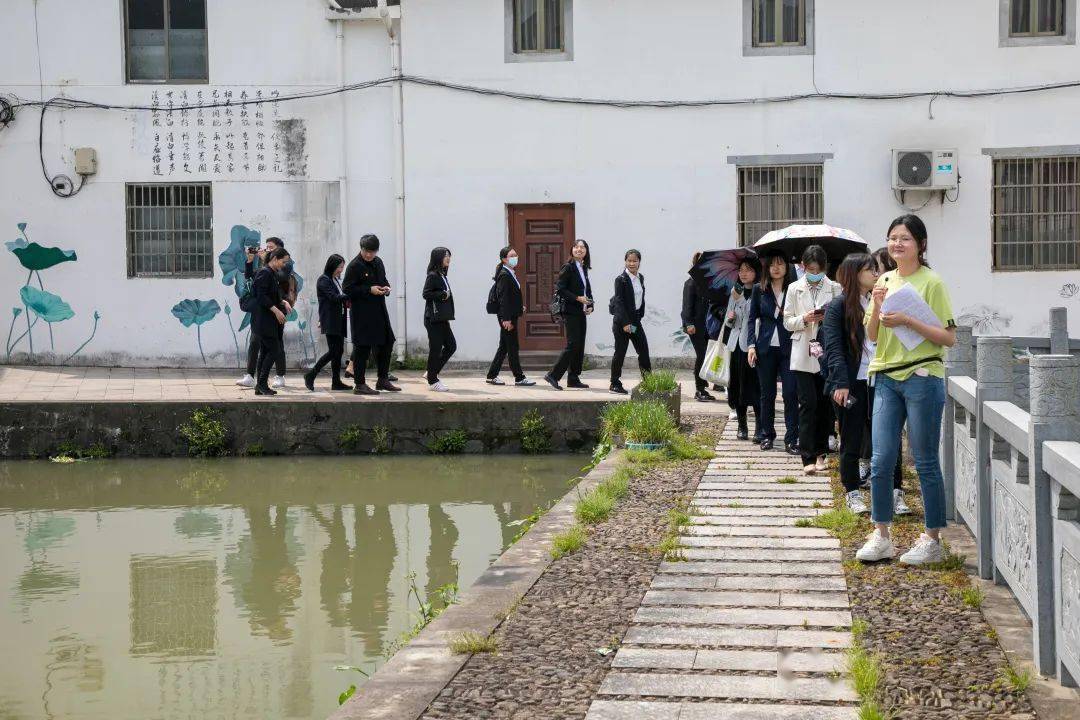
(503, 254)
(587, 261)
(436, 263)
(767, 261)
(332, 264)
(848, 277)
(917, 228)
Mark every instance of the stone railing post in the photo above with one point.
(1059, 331)
(994, 376)
(1054, 380)
(959, 362)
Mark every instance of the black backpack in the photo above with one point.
(493, 299)
(247, 300)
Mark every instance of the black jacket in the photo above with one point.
(333, 320)
(438, 302)
(369, 319)
(622, 304)
(267, 295)
(694, 307)
(763, 308)
(569, 287)
(843, 369)
(508, 292)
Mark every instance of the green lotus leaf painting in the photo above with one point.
(45, 305)
(195, 312)
(35, 257)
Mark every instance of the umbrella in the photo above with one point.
(718, 270)
(792, 240)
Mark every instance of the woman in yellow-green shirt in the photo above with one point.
(909, 385)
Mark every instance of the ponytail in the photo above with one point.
(502, 256)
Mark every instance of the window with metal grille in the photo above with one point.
(779, 23)
(1034, 18)
(166, 41)
(170, 230)
(775, 196)
(1037, 213)
(538, 26)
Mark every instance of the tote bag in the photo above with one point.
(717, 366)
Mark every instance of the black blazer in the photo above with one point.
(569, 287)
(438, 303)
(267, 296)
(333, 320)
(695, 307)
(763, 308)
(843, 369)
(369, 319)
(508, 293)
(622, 304)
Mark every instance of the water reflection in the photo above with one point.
(178, 589)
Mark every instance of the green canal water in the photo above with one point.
(231, 588)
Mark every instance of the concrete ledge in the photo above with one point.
(297, 427)
(404, 687)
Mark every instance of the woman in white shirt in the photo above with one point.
(627, 308)
(743, 390)
(804, 310)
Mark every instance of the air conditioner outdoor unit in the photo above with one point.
(925, 170)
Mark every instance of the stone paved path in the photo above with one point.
(753, 624)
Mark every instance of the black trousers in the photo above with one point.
(573, 355)
(855, 437)
(623, 340)
(360, 355)
(815, 416)
(744, 391)
(253, 353)
(508, 350)
(333, 355)
(700, 341)
(441, 346)
(773, 365)
(269, 350)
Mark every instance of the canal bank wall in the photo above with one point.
(294, 427)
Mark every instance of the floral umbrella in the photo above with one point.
(792, 240)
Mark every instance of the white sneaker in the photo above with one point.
(856, 503)
(834, 444)
(246, 382)
(279, 382)
(733, 415)
(877, 547)
(438, 387)
(899, 506)
(925, 550)
(524, 382)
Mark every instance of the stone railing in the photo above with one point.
(1012, 476)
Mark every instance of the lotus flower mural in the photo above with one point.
(37, 303)
(196, 312)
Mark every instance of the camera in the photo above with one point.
(252, 249)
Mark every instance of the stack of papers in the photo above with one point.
(908, 301)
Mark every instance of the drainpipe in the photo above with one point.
(399, 173)
(343, 176)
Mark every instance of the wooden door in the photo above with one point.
(542, 236)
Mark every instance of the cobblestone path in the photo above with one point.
(753, 623)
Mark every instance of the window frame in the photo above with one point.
(1006, 38)
(1037, 213)
(511, 55)
(168, 80)
(750, 49)
(766, 163)
(129, 232)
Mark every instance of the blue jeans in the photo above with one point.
(772, 365)
(921, 401)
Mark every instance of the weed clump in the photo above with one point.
(204, 433)
(535, 436)
(452, 442)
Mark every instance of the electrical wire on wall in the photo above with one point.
(69, 103)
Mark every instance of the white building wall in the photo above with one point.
(658, 180)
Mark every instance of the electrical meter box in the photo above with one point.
(85, 161)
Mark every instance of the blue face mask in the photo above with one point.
(815, 277)
(512, 262)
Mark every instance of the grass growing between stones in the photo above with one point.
(788, 480)
(568, 541)
(1016, 681)
(470, 643)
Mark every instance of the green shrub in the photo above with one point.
(351, 437)
(254, 450)
(70, 450)
(381, 441)
(600, 451)
(659, 381)
(594, 507)
(535, 436)
(204, 433)
(452, 442)
(648, 422)
(613, 420)
(567, 542)
(865, 673)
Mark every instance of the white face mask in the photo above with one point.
(512, 261)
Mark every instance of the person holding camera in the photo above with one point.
(269, 315)
(574, 287)
(254, 260)
(367, 287)
(804, 309)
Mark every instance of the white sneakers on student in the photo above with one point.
(246, 382)
(877, 547)
(856, 503)
(900, 506)
(438, 387)
(278, 382)
(926, 550)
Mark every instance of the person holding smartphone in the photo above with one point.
(574, 287)
(367, 287)
(803, 312)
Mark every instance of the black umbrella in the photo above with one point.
(718, 270)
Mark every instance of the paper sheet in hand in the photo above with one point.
(908, 301)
